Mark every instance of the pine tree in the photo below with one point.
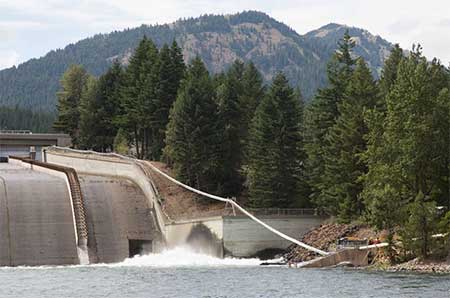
(72, 82)
(100, 105)
(341, 183)
(275, 144)
(230, 116)
(193, 135)
(390, 69)
(170, 73)
(177, 65)
(138, 97)
(322, 114)
(252, 93)
(420, 226)
(88, 115)
(405, 162)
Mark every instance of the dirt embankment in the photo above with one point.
(179, 203)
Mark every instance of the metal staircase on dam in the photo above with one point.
(78, 206)
(77, 201)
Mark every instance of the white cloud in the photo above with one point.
(8, 58)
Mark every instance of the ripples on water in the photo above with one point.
(182, 273)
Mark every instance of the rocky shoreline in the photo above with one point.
(324, 237)
(416, 265)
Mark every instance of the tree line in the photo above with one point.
(379, 151)
(16, 118)
(369, 150)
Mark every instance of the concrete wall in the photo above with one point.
(88, 163)
(116, 211)
(203, 235)
(355, 257)
(36, 221)
(239, 236)
(242, 237)
(19, 144)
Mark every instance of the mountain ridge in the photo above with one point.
(217, 39)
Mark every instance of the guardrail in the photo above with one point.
(19, 132)
(283, 211)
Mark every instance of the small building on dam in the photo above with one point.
(80, 207)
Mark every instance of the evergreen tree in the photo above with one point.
(100, 105)
(88, 115)
(275, 144)
(193, 135)
(390, 69)
(341, 182)
(420, 226)
(15, 118)
(72, 84)
(406, 161)
(177, 65)
(170, 73)
(230, 116)
(252, 93)
(322, 114)
(138, 97)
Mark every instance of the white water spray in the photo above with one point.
(176, 257)
(184, 257)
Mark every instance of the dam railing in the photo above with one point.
(283, 211)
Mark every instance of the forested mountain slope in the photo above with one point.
(217, 39)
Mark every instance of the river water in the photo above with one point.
(181, 273)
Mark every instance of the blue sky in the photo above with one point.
(31, 28)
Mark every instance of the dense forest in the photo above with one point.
(217, 39)
(23, 119)
(364, 149)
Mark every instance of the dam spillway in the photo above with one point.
(122, 214)
(119, 219)
(36, 221)
(38, 224)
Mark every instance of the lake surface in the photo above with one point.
(180, 273)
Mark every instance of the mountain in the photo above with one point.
(218, 39)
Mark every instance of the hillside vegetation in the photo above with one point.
(217, 39)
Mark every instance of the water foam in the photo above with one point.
(184, 257)
(176, 257)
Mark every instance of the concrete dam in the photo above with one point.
(80, 207)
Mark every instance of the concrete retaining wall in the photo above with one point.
(239, 236)
(355, 257)
(242, 237)
(203, 235)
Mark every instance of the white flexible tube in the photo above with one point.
(293, 240)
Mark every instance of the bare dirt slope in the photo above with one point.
(179, 203)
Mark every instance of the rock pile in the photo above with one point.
(323, 238)
(416, 265)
